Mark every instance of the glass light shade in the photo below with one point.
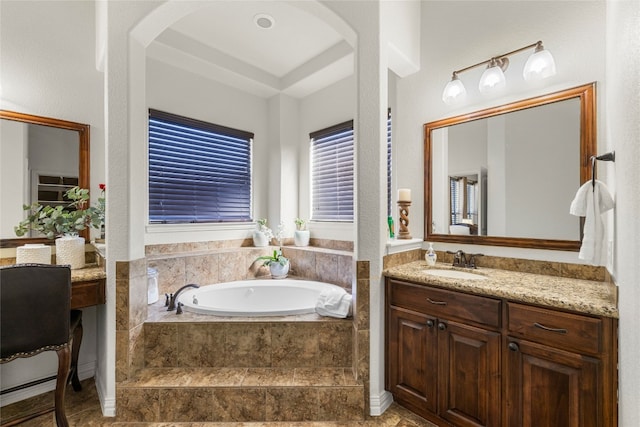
(540, 65)
(492, 79)
(453, 90)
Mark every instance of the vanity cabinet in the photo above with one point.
(558, 369)
(443, 353)
(468, 360)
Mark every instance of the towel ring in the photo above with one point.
(607, 157)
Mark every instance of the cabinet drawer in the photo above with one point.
(87, 294)
(559, 329)
(443, 303)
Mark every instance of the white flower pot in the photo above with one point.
(278, 271)
(37, 253)
(260, 239)
(301, 237)
(70, 251)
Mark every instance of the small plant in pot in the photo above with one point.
(262, 235)
(278, 264)
(63, 224)
(301, 235)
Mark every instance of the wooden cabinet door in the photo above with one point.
(547, 387)
(469, 375)
(413, 359)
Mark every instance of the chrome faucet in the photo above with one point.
(172, 298)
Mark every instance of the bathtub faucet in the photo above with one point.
(174, 297)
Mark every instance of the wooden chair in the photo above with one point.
(35, 317)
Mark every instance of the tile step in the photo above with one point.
(240, 395)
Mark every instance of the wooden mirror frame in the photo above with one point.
(588, 145)
(84, 175)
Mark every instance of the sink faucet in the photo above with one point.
(459, 258)
(172, 298)
(464, 260)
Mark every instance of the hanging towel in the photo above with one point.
(591, 201)
(335, 302)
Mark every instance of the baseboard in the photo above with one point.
(107, 404)
(380, 403)
(85, 370)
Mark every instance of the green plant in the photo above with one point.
(277, 257)
(61, 220)
(301, 224)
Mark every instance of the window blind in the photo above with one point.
(332, 173)
(198, 171)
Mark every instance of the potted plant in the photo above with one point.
(63, 224)
(301, 235)
(262, 235)
(277, 263)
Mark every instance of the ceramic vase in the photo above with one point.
(260, 239)
(279, 271)
(301, 237)
(70, 251)
(37, 253)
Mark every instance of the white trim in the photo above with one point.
(179, 233)
(379, 404)
(332, 230)
(180, 228)
(85, 370)
(395, 246)
(108, 405)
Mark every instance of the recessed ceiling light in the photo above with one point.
(264, 21)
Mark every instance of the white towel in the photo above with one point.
(591, 202)
(335, 302)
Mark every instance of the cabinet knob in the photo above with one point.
(442, 326)
(513, 346)
(429, 323)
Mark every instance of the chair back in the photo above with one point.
(34, 309)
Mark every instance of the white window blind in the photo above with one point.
(198, 171)
(332, 173)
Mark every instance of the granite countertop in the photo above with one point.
(89, 272)
(584, 296)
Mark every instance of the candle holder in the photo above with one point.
(404, 220)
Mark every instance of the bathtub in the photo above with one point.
(260, 297)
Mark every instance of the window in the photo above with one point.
(332, 173)
(198, 171)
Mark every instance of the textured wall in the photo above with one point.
(623, 135)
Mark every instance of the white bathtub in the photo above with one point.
(260, 297)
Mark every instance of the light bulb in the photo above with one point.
(492, 78)
(453, 91)
(540, 65)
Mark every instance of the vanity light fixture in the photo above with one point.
(539, 66)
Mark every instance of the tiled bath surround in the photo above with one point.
(316, 358)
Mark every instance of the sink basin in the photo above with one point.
(455, 274)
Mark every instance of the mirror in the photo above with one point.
(60, 160)
(505, 176)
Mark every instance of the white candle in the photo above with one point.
(404, 195)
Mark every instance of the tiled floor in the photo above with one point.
(83, 409)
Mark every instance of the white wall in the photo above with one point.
(623, 135)
(462, 33)
(48, 69)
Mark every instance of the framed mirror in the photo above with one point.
(506, 175)
(41, 158)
